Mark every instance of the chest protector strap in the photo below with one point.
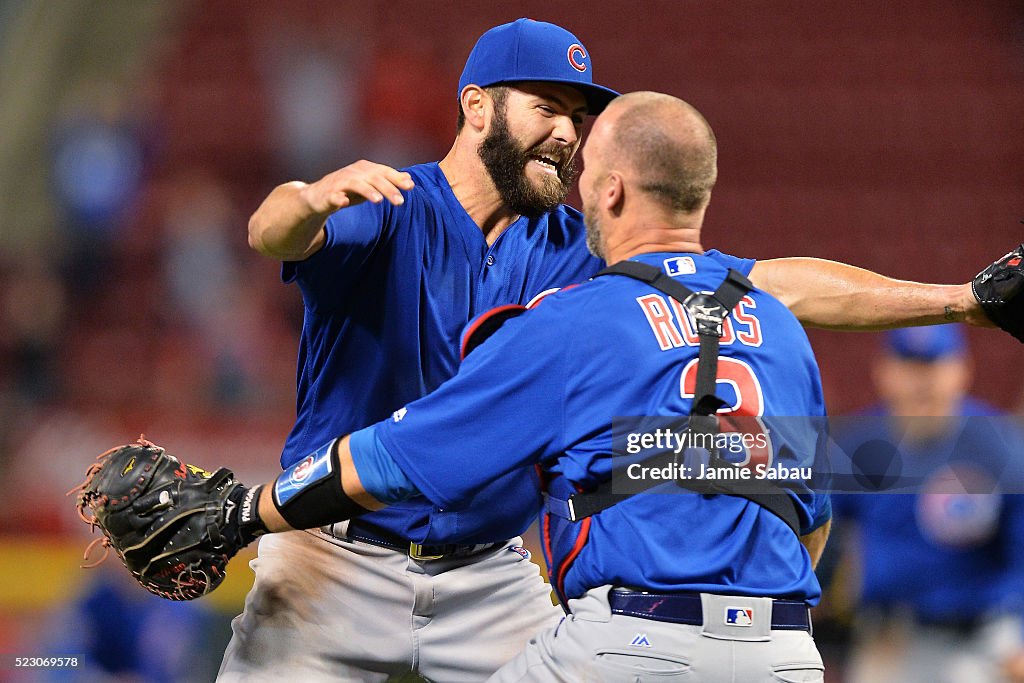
(708, 311)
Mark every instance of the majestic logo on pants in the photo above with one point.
(641, 640)
(739, 616)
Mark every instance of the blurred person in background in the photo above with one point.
(940, 571)
(313, 85)
(205, 289)
(99, 152)
(33, 308)
(33, 321)
(125, 635)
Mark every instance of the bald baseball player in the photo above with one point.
(391, 266)
(681, 587)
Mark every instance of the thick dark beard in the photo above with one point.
(505, 161)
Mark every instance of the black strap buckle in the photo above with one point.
(708, 312)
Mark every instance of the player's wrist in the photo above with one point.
(969, 309)
(998, 294)
(315, 203)
(273, 520)
(243, 522)
(310, 493)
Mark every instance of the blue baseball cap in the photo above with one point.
(528, 50)
(927, 343)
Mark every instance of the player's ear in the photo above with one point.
(475, 102)
(613, 194)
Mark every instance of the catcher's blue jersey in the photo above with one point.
(545, 389)
(386, 300)
(942, 554)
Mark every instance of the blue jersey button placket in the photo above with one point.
(484, 294)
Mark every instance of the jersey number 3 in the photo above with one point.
(744, 415)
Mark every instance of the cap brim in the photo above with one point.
(597, 96)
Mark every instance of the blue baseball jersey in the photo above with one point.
(386, 300)
(544, 389)
(943, 555)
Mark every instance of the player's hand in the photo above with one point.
(356, 183)
(999, 291)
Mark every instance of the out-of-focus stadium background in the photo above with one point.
(136, 137)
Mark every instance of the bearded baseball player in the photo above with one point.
(392, 265)
(656, 587)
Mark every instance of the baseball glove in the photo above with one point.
(171, 524)
(1000, 291)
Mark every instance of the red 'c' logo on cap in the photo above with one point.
(576, 56)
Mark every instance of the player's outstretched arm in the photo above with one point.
(288, 225)
(837, 296)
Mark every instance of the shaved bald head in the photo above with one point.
(649, 166)
(666, 144)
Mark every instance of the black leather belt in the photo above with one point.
(685, 608)
(365, 532)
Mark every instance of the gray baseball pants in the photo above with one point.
(324, 609)
(594, 645)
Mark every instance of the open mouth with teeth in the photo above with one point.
(548, 164)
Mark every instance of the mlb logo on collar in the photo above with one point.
(679, 265)
(739, 616)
